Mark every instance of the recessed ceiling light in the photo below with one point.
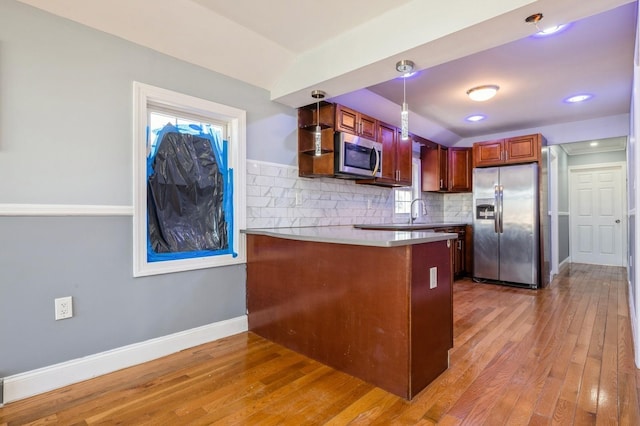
(474, 118)
(593, 144)
(483, 93)
(551, 30)
(578, 98)
(409, 74)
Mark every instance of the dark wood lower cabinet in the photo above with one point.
(462, 255)
(468, 250)
(367, 311)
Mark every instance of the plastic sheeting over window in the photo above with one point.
(189, 195)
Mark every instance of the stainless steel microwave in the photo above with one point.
(357, 157)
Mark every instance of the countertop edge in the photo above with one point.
(351, 236)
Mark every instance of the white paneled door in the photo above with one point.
(596, 214)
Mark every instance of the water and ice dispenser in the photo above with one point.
(485, 208)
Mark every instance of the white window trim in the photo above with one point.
(415, 188)
(144, 95)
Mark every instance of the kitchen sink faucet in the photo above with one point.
(424, 210)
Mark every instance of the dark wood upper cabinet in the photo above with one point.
(445, 169)
(396, 158)
(309, 164)
(488, 153)
(523, 149)
(459, 170)
(430, 160)
(516, 150)
(350, 121)
(404, 155)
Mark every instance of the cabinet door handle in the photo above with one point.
(441, 184)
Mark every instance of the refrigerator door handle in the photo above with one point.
(496, 214)
(500, 212)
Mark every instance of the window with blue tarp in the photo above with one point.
(189, 190)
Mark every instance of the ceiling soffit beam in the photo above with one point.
(367, 55)
(361, 56)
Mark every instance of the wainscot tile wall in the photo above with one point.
(278, 197)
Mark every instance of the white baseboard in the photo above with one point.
(44, 379)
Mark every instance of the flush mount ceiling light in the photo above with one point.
(483, 93)
(578, 98)
(317, 134)
(405, 67)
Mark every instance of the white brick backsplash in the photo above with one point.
(259, 201)
(253, 168)
(274, 189)
(264, 180)
(274, 192)
(284, 182)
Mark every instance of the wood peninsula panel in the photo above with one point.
(367, 311)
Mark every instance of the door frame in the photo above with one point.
(553, 211)
(623, 216)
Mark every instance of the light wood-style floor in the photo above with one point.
(562, 355)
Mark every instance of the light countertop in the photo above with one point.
(347, 234)
(408, 227)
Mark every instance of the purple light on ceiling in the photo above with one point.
(548, 32)
(475, 118)
(574, 99)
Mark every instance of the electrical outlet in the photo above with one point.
(433, 277)
(298, 198)
(64, 307)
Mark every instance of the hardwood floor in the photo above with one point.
(562, 355)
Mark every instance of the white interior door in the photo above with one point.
(596, 214)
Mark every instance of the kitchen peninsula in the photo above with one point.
(374, 304)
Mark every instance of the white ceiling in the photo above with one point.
(349, 49)
(300, 25)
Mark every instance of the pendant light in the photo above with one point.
(405, 67)
(317, 134)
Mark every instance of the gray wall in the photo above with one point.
(66, 138)
(563, 238)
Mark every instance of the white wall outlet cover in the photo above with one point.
(63, 307)
(433, 277)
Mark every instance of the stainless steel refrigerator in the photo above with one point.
(506, 231)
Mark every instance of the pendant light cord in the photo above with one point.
(404, 90)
